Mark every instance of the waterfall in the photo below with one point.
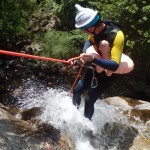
(109, 128)
(61, 113)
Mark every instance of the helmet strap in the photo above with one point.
(94, 30)
(90, 31)
(95, 26)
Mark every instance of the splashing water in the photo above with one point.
(60, 112)
(29, 94)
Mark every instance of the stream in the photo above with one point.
(59, 111)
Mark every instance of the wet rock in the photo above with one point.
(132, 108)
(143, 115)
(118, 101)
(30, 135)
(1, 62)
(2, 75)
(31, 113)
(138, 114)
(121, 136)
(36, 69)
(147, 91)
(141, 143)
(118, 136)
(50, 85)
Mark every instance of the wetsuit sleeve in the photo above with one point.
(87, 44)
(117, 48)
(91, 39)
(106, 64)
(116, 53)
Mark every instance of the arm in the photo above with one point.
(87, 44)
(116, 53)
(106, 64)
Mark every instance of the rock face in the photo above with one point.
(18, 134)
(136, 108)
(21, 130)
(138, 113)
(118, 135)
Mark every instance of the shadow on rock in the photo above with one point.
(119, 136)
(20, 130)
(113, 136)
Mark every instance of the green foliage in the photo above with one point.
(14, 16)
(134, 16)
(59, 44)
(65, 11)
(44, 6)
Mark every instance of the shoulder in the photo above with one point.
(120, 35)
(114, 25)
(91, 38)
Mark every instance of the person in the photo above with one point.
(104, 49)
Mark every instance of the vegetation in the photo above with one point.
(14, 16)
(62, 44)
(64, 41)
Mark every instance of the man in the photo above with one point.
(104, 49)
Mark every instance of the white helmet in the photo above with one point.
(85, 17)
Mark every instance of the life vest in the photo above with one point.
(108, 34)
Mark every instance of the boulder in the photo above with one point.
(30, 134)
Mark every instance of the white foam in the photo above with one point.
(60, 112)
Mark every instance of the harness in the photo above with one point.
(78, 64)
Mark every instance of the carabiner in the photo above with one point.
(94, 82)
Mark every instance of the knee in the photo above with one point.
(75, 91)
(92, 96)
(79, 87)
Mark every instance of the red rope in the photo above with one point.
(75, 80)
(32, 56)
(44, 58)
(75, 58)
(48, 147)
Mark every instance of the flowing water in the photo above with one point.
(59, 111)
